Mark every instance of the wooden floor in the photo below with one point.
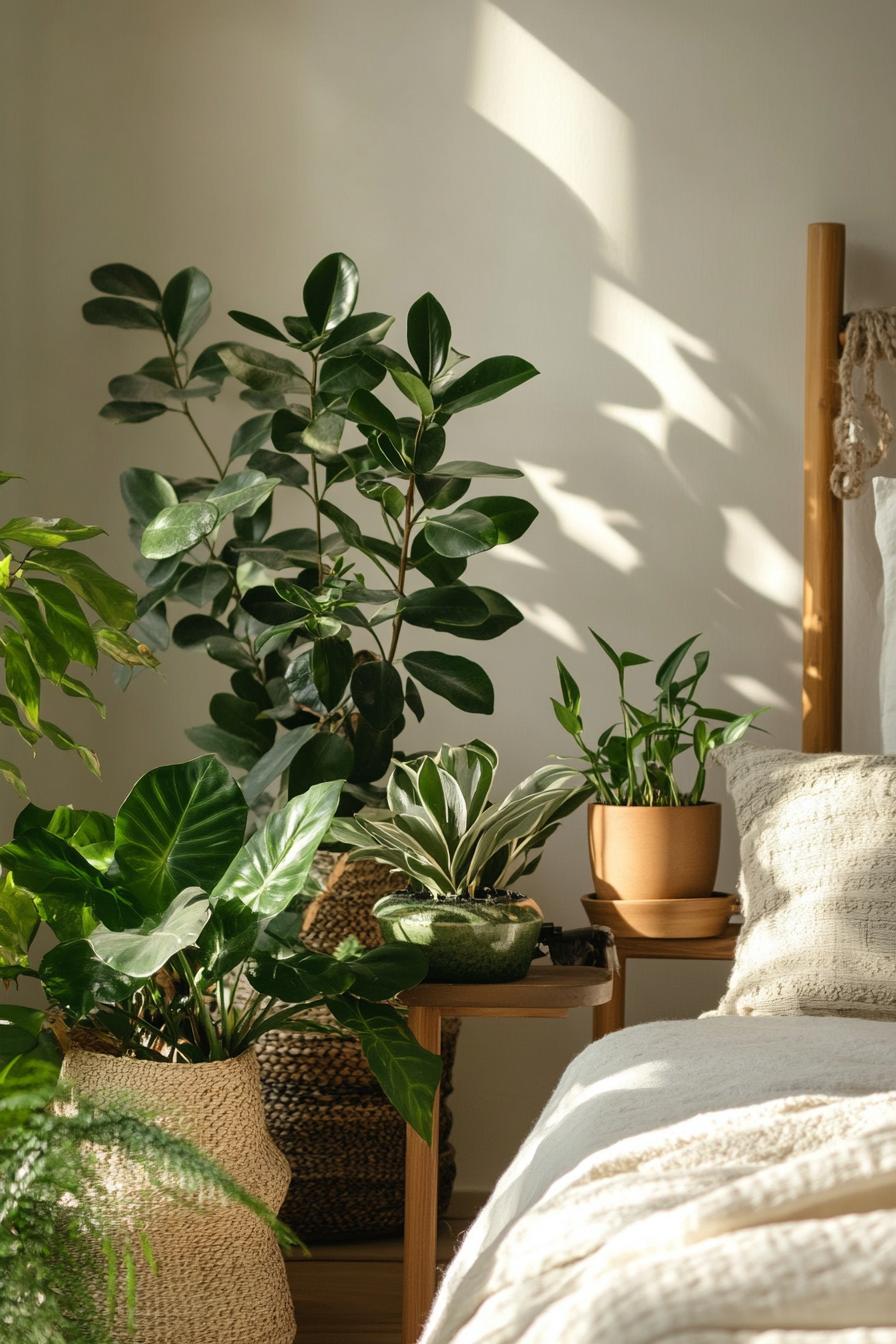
(351, 1293)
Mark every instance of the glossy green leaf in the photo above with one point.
(669, 666)
(252, 434)
(444, 607)
(179, 826)
(429, 449)
(408, 1074)
(126, 281)
(240, 717)
(462, 533)
(75, 978)
(331, 666)
(123, 648)
(139, 953)
(324, 434)
(229, 651)
(260, 325)
(19, 922)
(299, 978)
(468, 471)
(324, 757)
(355, 332)
(377, 693)
(511, 516)
(274, 763)
(273, 866)
(19, 1029)
(414, 389)
(340, 377)
(114, 602)
(501, 616)
(243, 490)
(382, 972)
(331, 291)
(429, 336)
(185, 304)
(192, 630)
(178, 528)
(22, 679)
(201, 584)
(9, 716)
(287, 428)
(48, 655)
(70, 892)
(46, 531)
(413, 700)
(146, 494)
(118, 312)
(132, 412)
(279, 465)
(233, 750)
(63, 741)
(262, 371)
(138, 387)
(369, 410)
(489, 379)
(458, 680)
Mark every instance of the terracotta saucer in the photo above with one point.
(678, 917)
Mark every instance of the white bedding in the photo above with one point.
(683, 1132)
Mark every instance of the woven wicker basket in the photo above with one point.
(325, 1110)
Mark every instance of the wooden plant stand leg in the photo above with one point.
(421, 1190)
(610, 1016)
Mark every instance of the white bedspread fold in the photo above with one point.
(771, 1222)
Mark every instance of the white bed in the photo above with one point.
(694, 1119)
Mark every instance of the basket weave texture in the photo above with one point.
(325, 1110)
(220, 1274)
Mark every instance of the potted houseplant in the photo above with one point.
(57, 607)
(68, 1265)
(321, 622)
(461, 855)
(649, 835)
(160, 913)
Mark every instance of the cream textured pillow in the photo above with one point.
(818, 881)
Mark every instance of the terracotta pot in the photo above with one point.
(654, 853)
(220, 1274)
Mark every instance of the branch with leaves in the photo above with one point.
(634, 761)
(321, 675)
(45, 584)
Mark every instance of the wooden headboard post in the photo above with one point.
(823, 515)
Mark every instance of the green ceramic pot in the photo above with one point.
(484, 941)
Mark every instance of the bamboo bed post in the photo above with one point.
(822, 517)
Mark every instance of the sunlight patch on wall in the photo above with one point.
(584, 521)
(653, 345)
(545, 106)
(759, 560)
(756, 692)
(516, 554)
(551, 623)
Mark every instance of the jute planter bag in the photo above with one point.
(219, 1271)
(325, 1110)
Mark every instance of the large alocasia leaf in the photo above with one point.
(141, 952)
(274, 865)
(180, 826)
(407, 1073)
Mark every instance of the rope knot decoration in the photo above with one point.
(870, 338)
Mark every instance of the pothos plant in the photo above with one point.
(45, 585)
(322, 676)
(162, 912)
(634, 762)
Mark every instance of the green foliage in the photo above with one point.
(162, 911)
(44, 628)
(314, 620)
(442, 832)
(60, 1237)
(634, 761)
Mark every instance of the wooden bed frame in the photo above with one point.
(823, 511)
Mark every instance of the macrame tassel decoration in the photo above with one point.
(870, 338)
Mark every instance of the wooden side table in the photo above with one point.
(610, 1014)
(547, 991)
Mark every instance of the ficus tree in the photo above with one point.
(314, 621)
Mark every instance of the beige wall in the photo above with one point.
(616, 189)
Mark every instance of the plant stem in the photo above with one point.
(201, 1007)
(315, 484)
(407, 528)
(172, 355)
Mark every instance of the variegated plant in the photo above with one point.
(441, 831)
